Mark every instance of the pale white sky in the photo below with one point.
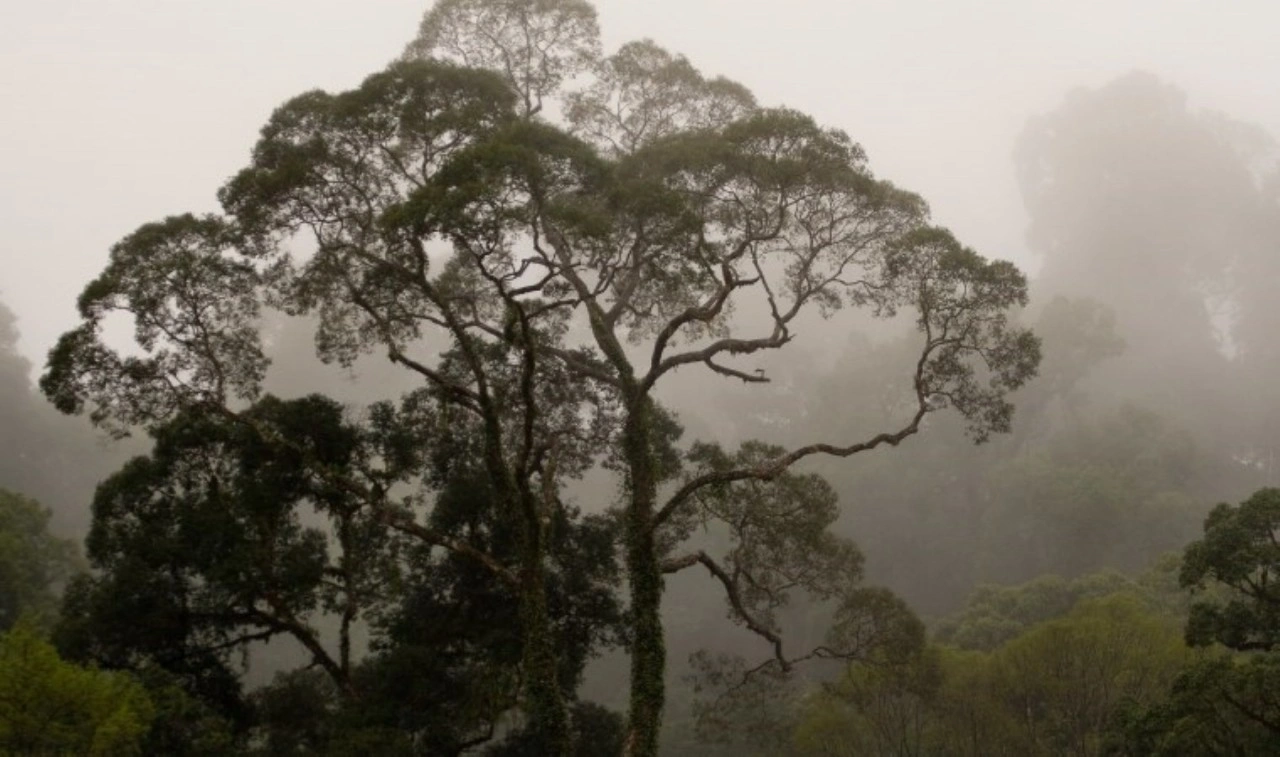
(119, 112)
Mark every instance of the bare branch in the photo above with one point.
(771, 469)
(734, 597)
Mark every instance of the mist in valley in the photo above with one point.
(548, 377)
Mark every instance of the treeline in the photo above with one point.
(1099, 665)
(1182, 660)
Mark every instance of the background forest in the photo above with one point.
(299, 549)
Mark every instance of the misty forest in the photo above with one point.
(537, 397)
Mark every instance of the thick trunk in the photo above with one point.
(648, 648)
(544, 702)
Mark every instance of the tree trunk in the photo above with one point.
(544, 702)
(648, 647)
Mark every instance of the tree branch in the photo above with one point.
(734, 597)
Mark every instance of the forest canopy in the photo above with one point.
(536, 398)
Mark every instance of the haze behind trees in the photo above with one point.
(1110, 463)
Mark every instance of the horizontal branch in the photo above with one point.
(468, 398)
(756, 377)
(731, 346)
(734, 597)
(703, 313)
(771, 469)
(404, 524)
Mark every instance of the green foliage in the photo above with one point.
(1223, 703)
(875, 709)
(34, 565)
(758, 707)
(184, 725)
(1054, 687)
(1239, 551)
(296, 712)
(405, 710)
(48, 706)
(1220, 704)
(204, 546)
(446, 657)
(1114, 491)
(995, 614)
(1070, 675)
(213, 544)
(598, 732)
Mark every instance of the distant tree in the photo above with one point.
(27, 446)
(1083, 484)
(1070, 676)
(1053, 688)
(878, 710)
(34, 565)
(995, 614)
(1111, 180)
(1161, 211)
(51, 459)
(973, 720)
(14, 369)
(1113, 489)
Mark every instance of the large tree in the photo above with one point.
(560, 275)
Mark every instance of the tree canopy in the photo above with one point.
(542, 280)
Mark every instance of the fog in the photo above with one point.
(123, 112)
(1121, 154)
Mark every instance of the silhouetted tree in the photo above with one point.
(569, 274)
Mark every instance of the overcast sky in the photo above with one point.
(120, 112)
